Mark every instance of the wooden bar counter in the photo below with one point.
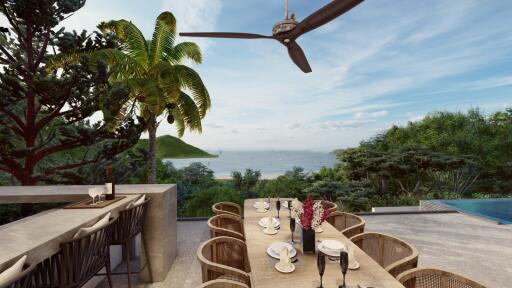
(39, 236)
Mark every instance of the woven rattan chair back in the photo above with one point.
(348, 224)
(222, 284)
(331, 206)
(435, 278)
(224, 258)
(226, 225)
(129, 223)
(83, 257)
(227, 208)
(24, 280)
(393, 254)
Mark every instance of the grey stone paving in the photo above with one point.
(478, 249)
(455, 242)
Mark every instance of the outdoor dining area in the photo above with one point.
(286, 243)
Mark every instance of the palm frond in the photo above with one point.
(190, 80)
(163, 36)
(182, 51)
(134, 43)
(167, 78)
(62, 59)
(189, 112)
(179, 123)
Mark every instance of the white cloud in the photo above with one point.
(376, 114)
(195, 16)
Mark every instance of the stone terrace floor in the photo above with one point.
(455, 242)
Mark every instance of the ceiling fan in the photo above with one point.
(288, 30)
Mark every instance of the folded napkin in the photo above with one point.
(270, 225)
(284, 258)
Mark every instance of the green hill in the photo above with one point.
(168, 146)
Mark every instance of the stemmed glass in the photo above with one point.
(290, 209)
(278, 207)
(92, 194)
(344, 266)
(292, 227)
(320, 264)
(101, 192)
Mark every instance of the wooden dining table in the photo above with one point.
(263, 274)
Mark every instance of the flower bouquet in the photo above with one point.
(309, 216)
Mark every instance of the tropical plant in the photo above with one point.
(159, 83)
(45, 113)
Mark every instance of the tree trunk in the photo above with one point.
(152, 125)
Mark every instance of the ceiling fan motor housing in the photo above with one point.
(284, 26)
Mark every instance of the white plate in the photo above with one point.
(278, 246)
(329, 252)
(270, 233)
(264, 222)
(290, 269)
(333, 245)
(270, 253)
(265, 205)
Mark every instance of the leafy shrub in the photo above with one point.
(200, 203)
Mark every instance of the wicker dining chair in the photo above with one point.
(435, 278)
(222, 284)
(83, 257)
(393, 254)
(226, 225)
(224, 258)
(130, 224)
(348, 224)
(227, 208)
(331, 206)
(24, 280)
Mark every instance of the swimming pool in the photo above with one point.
(499, 210)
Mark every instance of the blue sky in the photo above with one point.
(385, 62)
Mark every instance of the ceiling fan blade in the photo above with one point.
(225, 35)
(298, 56)
(324, 15)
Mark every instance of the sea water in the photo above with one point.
(270, 163)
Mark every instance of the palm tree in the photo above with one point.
(154, 72)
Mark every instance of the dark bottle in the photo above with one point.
(110, 185)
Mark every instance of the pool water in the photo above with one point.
(499, 210)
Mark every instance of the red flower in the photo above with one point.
(109, 170)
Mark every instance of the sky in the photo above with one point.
(386, 62)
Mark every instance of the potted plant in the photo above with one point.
(309, 216)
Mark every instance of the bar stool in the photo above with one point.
(84, 256)
(24, 279)
(130, 223)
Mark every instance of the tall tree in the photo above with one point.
(47, 112)
(159, 82)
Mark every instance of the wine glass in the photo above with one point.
(278, 207)
(101, 193)
(92, 194)
(292, 227)
(290, 209)
(344, 266)
(320, 264)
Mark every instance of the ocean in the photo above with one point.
(270, 163)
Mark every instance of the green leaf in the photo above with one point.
(163, 36)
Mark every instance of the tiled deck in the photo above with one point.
(455, 242)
